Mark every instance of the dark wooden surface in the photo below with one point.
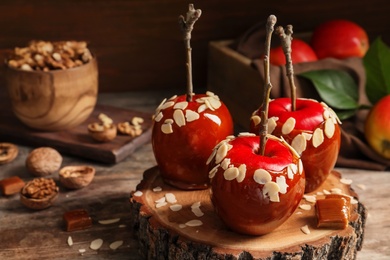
(27, 234)
(138, 43)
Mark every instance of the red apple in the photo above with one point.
(184, 134)
(312, 130)
(301, 52)
(377, 127)
(339, 39)
(254, 194)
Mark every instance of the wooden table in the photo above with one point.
(28, 234)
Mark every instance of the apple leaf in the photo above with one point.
(377, 63)
(336, 88)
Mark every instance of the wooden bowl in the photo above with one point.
(54, 100)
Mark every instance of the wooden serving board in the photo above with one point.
(162, 234)
(77, 141)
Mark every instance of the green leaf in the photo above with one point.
(336, 88)
(345, 114)
(377, 65)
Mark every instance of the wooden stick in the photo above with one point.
(187, 25)
(271, 21)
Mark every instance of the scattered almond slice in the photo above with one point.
(170, 198)
(346, 181)
(82, 250)
(305, 206)
(305, 229)
(157, 189)
(161, 204)
(195, 205)
(194, 223)
(96, 244)
(197, 211)
(310, 198)
(115, 245)
(175, 207)
(70, 241)
(138, 193)
(109, 221)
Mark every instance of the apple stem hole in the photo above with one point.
(187, 25)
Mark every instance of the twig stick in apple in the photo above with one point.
(286, 39)
(186, 25)
(271, 21)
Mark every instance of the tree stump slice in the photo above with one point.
(163, 233)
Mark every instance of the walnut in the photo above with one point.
(132, 128)
(76, 177)
(39, 193)
(8, 152)
(103, 131)
(43, 161)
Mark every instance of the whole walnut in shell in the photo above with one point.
(43, 161)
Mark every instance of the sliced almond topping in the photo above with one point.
(329, 128)
(208, 105)
(262, 176)
(179, 118)
(160, 200)
(246, 134)
(166, 128)
(175, 207)
(173, 97)
(288, 126)
(221, 153)
(272, 124)
(169, 121)
(158, 117)
(195, 205)
(109, 221)
(181, 105)
(256, 120)
(305, 206)
(215, 103)
(241, 173)
(231, 173)
(96, 244)
(299, 143)
(82, 250)
(197, 211)
(211, 157)
(336, 191)
(213, 171)
(138, 193)
(170, 198)
(318, 137)
(210, 93)
(305, 229)
(326, 114)
(161, 204)
(307, 136)
(70, 241)
(272, 189)
(194, 223)
(300, 166)
(167, 104)
(115, 245)
(310, 198)
(281, 181)
(157, 189)
(191, 115)
(346, 181)
(202, 108)
(225, 163)
(213, 118)
(326, 192)
(160, 105)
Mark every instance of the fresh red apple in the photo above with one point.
(301, 52)
(377, 127)
(254, 194)
(339, 39)
(184, 135)
(312, 130)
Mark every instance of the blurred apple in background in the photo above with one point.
(377, 127)
(301, 52)
(339, 39)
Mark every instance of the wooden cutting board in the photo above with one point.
(77, 141)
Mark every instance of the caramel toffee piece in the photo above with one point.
(77, 220)
(11, 185)
(333, 212)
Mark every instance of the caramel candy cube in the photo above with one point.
(77, 220)
(11, 185)
(333, 212)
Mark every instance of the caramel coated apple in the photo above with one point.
(184, 135)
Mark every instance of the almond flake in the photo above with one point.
(305, 229)
(70, 241)
(160, 200)
(160, 204)
(281, 181)
(329, 128)
(272, 124)
(109, 221)
(300, 166)
(310, 198)
(336, 191)
(326, 192)
(361, 186)
(181, 105)
(211, 157)
(210, 93)
(82, 250)
(288, 126)
(326, 114)
(231, 173)
(194, 223)
(96, 244)
(182, 225)
(307, 136)
(246, 134)
(202, 108)
(173, 97)
(196, 205)
(166, 128)
(272, 189)
(175, 207)
(213, 171)
(318, 137)
(213, 118)
(197, 211)
(346, 181)
(215, 103)
(167, 104)
(242, 173)
(305, 206)
(115, 245)
(179, 118)
(256, 120)
(261, 176)
(225, 163)
(191, 115)
(354, 201)
(157, 189)
(221, 153)
(138, 193)
(158, 117)
(299, 143)
(170, 198)
(208, 105)
(160, 105)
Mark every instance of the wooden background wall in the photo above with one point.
(138, 42)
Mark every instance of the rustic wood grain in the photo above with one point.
(27, 234)
(138, 43)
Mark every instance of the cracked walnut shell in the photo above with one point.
(40, 193)
(43, 161)
(76, 177)
(8, 152)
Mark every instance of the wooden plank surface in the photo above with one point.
(27, 234)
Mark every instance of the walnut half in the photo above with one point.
(39, 193)
(8, 152)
